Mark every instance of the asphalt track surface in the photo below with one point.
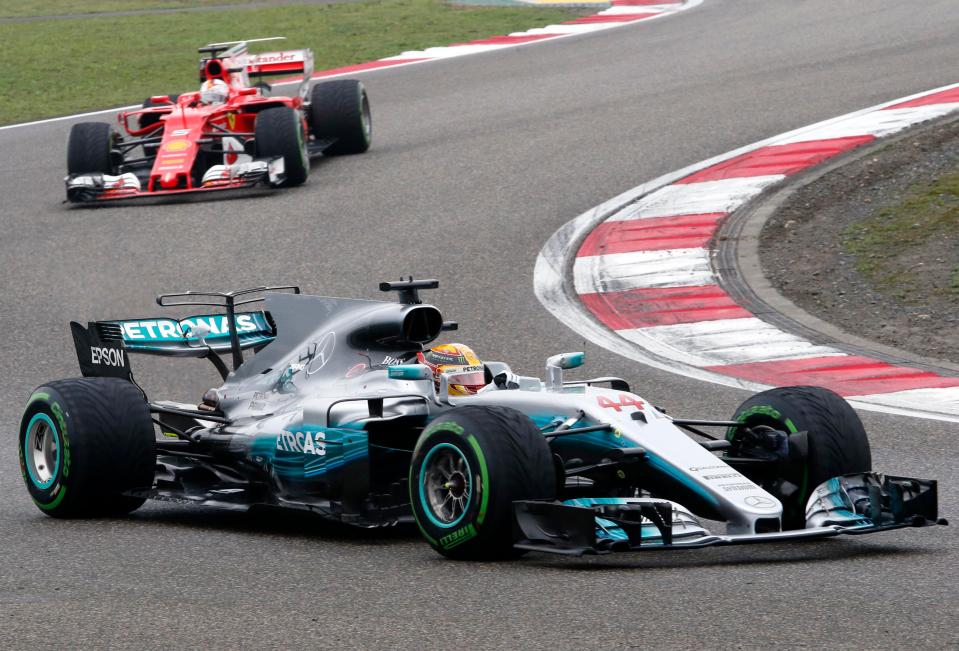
(476, 161)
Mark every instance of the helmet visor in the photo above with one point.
(469, 376)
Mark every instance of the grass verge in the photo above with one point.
(69, 66)
(909, 250)
(20, 9)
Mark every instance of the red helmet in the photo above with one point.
(459, 359)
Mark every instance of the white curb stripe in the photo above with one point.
(565, 30)
(631, 10)
(726, 341)
(877, 123)
(945, 401)
(621, 271)
(696, 198)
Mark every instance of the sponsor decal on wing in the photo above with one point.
(213, 329)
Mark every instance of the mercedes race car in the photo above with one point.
(230, 134)
(325, 409)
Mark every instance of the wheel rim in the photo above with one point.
(41, 451)
(366, 118)
(301, 141)
(446, 485)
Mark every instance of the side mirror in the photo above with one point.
(160, 99)
(567, 361)
(409, 372)
(556, 364)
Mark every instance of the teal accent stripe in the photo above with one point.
(672, 471)
(28, 450)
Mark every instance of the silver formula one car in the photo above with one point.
(332, 415)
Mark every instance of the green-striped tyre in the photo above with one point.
(83, 443)
(468, 468)
(835, 442)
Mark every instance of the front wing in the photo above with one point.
(91, 188)
(852, 504)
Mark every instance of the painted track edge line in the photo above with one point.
(686, 5)
(553, 278)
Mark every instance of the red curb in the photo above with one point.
(641, 308)
(778, 159)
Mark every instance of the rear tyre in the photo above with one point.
(467, 469)
(340, 110)
(279, 132)
(83, 443)
(90, 149)
(836, 442)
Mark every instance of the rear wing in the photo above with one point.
(102, 345)
(191, 336)
(286, 62)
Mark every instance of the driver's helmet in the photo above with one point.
(214, 91)
(459, 359)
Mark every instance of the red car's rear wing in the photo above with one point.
(286, 62)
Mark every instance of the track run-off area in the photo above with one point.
(476, 162)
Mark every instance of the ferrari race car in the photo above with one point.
(230, 134)
(326, 410)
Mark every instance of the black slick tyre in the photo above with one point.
(836, 442)
(340, 111)
(279, 132)
(83, 443)
(468, 467)
(89, 148)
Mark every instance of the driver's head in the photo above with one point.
(459, 359)
(214, 91)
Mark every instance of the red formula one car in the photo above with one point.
(230, 134)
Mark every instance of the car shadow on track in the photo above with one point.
(275, 522)
(786, 554)
(180, 199)
(267, 522)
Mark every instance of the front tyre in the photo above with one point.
(340, 111)
(835, 442)
(468, 467)
(83, 443)
(90, 149)
(279, 132)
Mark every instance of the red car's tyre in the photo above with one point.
(340, 111)
(279, 132)
(90, 149)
